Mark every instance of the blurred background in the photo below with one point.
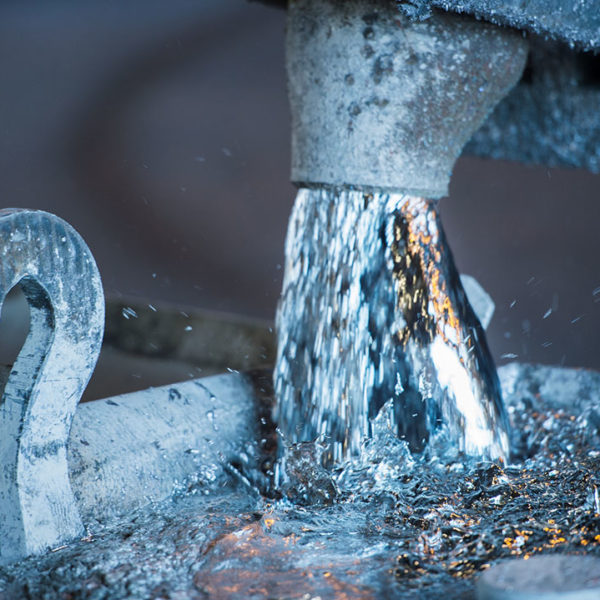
(160, 131)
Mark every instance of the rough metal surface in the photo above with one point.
(552, 116)
(576, 22)
(380, 101)
(59, 278)
(128, 451)
(550, 577)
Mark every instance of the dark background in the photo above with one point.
(160, 131)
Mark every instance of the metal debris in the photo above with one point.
(412, 528)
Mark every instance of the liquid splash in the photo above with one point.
(400, 526)
(373, 314)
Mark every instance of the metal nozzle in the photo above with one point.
(373, 312)
(381, 102)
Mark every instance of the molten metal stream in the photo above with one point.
(372, 311)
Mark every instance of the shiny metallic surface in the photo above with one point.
(130, 451)
(413, 529)
(373, 311)
(58, 275)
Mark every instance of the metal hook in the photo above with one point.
(59, 277)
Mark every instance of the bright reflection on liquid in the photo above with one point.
(373, 311)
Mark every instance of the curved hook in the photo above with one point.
(59, 277)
